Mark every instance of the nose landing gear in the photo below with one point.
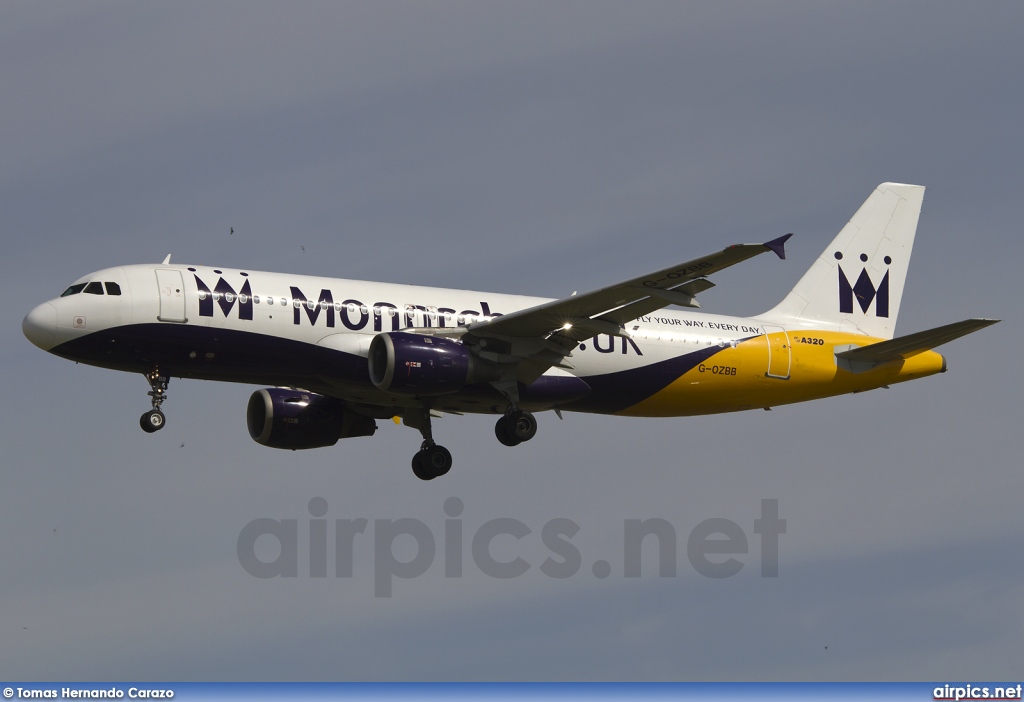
(151, 421)
(154, 419)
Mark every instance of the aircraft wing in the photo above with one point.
(540, 337)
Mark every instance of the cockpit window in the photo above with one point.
(73, 290)
(94, 288)
(113, 288)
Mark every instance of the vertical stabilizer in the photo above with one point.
(857, 283)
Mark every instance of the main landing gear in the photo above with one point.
(154, 419)
(431, 461)
(515, 427)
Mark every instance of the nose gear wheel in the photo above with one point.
(154, 419)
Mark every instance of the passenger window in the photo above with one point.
(113, 288)
(94, 288)
(73, 290)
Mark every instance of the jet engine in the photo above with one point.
(295, 419)
(415, 364)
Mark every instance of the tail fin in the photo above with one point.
(857, 283)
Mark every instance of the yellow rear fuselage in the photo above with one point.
(778, 369)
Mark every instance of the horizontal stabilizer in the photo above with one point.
(913, 344)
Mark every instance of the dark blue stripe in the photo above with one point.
(614, 392)
(258, 359)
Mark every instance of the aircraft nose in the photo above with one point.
(40, 326)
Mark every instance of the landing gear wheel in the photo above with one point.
(431, 462)
(152, 421)
(438, 459)
(501, 431)
(418, 469)
(515, 428)
(520, 425)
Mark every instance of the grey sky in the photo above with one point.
(534, 148)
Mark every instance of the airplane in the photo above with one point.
(339, 354)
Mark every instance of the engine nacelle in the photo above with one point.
(416, 364)
(296, 419)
